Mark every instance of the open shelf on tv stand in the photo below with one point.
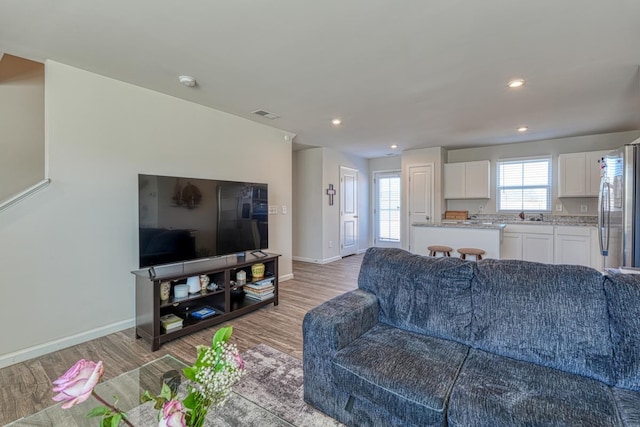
(227, 304)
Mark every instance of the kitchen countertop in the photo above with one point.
(462, 224)
(498, 225)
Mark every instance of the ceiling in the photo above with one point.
(413, 73)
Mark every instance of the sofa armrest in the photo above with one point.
(326, 329)
(334, 324)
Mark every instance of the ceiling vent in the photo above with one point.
(266, 114)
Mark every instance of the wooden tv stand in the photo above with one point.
(227, 304)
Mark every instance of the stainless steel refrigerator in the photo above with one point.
(619, 207)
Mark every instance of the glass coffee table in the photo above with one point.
(128, 387)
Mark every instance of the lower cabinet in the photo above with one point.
(578, 245)
(560, 244)
(528, 242)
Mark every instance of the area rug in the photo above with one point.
(273, 380)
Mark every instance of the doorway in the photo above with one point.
(386, 212)
(420, 197)
(348, 211)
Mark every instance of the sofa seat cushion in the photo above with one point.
(409, 374)
(499, 391)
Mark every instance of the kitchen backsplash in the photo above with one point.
(551, 219)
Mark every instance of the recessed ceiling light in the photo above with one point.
(394, 145)
(516, 83)
(187, 81)
(522, 129)
(336, 122)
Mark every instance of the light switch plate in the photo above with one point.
(583, 208)
(273, 209)
(559, 207)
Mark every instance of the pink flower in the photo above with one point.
(172, 415)
(77, 384)
(239, 361)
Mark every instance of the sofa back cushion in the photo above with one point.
(420, 294)
(623, 296)
(553, 315)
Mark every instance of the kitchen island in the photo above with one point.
(458, 234)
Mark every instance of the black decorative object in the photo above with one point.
(331, 192)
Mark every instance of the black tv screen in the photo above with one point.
(182, 219)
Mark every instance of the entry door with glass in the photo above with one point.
(387, 209)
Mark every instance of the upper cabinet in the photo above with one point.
(467, 180)
(579, 174)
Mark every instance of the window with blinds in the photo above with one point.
(524, 185)
(389, 207)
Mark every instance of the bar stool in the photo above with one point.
(471, 251)
(434, 249)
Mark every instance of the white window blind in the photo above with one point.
(389, 208)
(524, 185)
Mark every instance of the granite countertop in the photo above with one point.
(461, 224)
(497, 221)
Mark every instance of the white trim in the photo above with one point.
(58, 344)
(5, 204)
(317, 261)
(285, 277)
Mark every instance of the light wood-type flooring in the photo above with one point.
(25, 388)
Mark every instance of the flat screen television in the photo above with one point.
(183, 219)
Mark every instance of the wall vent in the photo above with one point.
(266, 114)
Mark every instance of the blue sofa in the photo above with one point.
(446, 342)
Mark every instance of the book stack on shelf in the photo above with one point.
(261, 290)
(170, 322)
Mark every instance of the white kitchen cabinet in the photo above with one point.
(512, 245)
(528, 242)
(467, 180)
(579, 174)
(572, 245)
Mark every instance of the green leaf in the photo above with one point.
(115, 421)
(159, 403)
(165, 392)
(189, 373)
(222, 335)
(106, 422)
(98, 411)
(189, 402)
(147, 397)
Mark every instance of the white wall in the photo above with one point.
(67, 252)
(317, 225)
(553, 147)
(332, 161)
(21, 124)
(307, 205)
(387, 163)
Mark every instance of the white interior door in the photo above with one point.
(348, 211)
(420, 196)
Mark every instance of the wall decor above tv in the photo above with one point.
(183, 219)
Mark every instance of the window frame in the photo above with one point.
(548, 187)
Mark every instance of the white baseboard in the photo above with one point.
(317, 261)
(285, 277)
(42, 349)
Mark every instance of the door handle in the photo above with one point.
(355, 216)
